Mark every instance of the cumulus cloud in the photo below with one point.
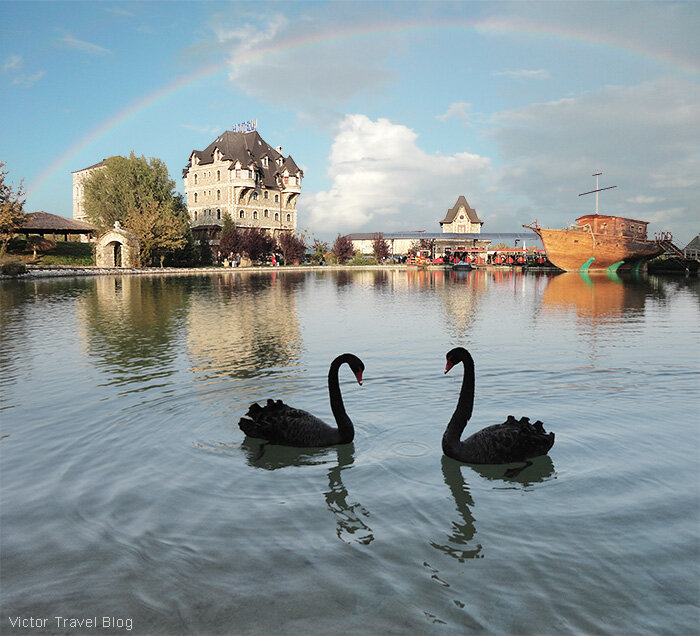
(382, 180)
(645, 139)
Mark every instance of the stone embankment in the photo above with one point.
(65, 271)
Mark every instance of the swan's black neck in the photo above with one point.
(465, 405)
(345, 427)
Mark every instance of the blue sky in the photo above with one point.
(392, 109)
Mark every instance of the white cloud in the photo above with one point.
(28, 80)
(80, 45)
(645, 139)
(456, 110)
(538, 74)
(382, 180)
(13, 63)
(305, 66)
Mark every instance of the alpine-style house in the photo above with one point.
(240, 173)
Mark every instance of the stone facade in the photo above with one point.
(79, 177)
(117, 248)
(243, 175)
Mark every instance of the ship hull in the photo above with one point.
(581, 251)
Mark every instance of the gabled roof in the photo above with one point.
(247, 147)
(694, 244)
(50, 222)
(461, 203)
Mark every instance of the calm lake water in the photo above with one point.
(129, 494)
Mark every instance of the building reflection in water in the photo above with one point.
(245, 326)
(351, 518)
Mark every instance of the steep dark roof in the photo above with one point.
(50, 222)
(248, 148)
(694, 244)
(94, 165)
(452, 213)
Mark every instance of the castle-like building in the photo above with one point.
(240, 173)
(79, 177)
(461, 219)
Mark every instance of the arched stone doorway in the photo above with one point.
(117, 248)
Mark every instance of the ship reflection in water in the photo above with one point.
(595, 298)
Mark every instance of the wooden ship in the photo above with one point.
(600, 242)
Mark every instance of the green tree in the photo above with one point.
(12, 216)
(125, 184)
(321, 251)
(160, 227)
(343, 249)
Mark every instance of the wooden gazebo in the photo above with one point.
(52, 225)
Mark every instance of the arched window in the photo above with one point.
(266, 213)
(289, 218)
(218, 175)
(265, 194)
(195, 197)
(277, 198)
(218, 195)
(195, 178)
(255, 214)
(255, 196)
(241, 214)
(195, 215)
(218, 213)
(277, 216)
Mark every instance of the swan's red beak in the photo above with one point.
(358, 375)
(449, 365)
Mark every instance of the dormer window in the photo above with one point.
(265, 161)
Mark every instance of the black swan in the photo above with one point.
(279, 423)
(512, 441)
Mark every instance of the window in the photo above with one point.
(218, 213)
(255, 214)
(277, 198)
(289, 218)
(241, 214)
(277, 216)
(195, 197)
(266, 213)
(265, 195)
(218, 175)
(218, 195)
(195, 215)
(195, 179)
(238, 173)
(255, 196)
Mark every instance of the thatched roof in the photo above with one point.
(43, 221)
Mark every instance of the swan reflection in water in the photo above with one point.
(461, 544)
(350, 518)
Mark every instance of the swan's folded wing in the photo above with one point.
(280, 423)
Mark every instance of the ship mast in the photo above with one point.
(597, 190)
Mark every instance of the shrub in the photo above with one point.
(13, 268)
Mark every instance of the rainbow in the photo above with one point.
(494, 26)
